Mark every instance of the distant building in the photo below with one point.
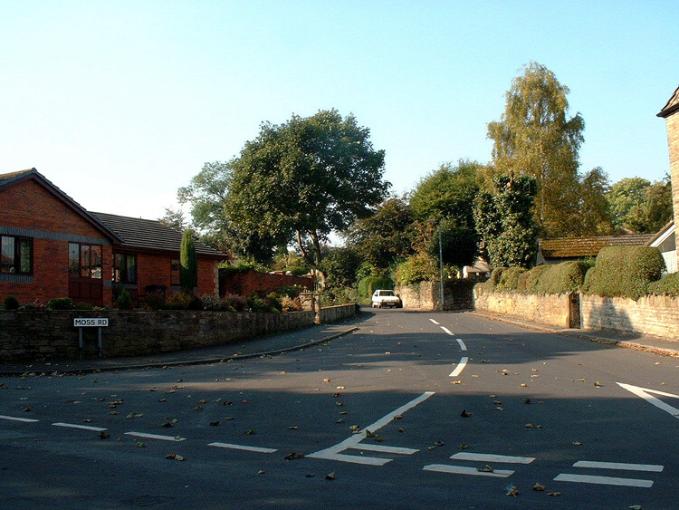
(670, 113)
(553, 251)
(665, 241)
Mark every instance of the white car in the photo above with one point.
(382, 298)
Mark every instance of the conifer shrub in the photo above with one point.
(124, 300)
(369, 284)
(63, 303)
(625, 271)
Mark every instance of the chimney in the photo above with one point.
(670, 113)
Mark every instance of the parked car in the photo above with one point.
(382, 298)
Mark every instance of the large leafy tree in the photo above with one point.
(637, 205)
(340, 264)
(384, 237)
(595, 215)
(505, 223)
(442, 204)
(300, 180)
(536, 137)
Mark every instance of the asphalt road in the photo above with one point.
(401, 414)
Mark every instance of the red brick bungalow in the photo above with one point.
(50, 247)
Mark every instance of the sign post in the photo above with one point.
(90, 322)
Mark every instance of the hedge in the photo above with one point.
(668, 285)
(625, 271)
(369, 284)
(544, 279)
(509, 278)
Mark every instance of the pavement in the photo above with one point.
(243, 349)
(412, 411)
(625, 340)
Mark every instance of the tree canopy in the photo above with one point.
(637, 205)
(536, 137)
(300, 180)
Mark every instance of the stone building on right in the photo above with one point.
(670, 112)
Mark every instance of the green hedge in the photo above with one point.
(625, 271)
(369, 284)
(509, 278)
(668, 285)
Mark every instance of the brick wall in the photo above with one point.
(251, 282)
(550, 309)
(41, 334)
(28, 206)
(652, 315)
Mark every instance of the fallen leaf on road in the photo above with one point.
(597, 384)
(554, 493)
(330, 476)
(27, 409)
(465, 413)
(523, 385)
(140, 444)
(462, 446)
(169, 423)
(87, 420)
(634, 507)
(355, 428)
(250, 432)
(576, 443)
(401, 430)
(261, 472)
(511, 490)
(456, 381)
(487, 468)
(174, 456)
(293, 427)
(340, 387)
(214, 423)
(326, 380)
(339, 420)
(538, 487)
(104, 435)
(294, 456)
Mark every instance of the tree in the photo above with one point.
(384, 237)
(301, 180)
(340, 264)
(535, 137)
(638, 205)
(188, 269)
(505, 222)
(173, 218)
(594, 210)
(442, 203)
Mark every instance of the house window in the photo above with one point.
(124, 268)
(16, 255)
(174, 272)
(84, 260)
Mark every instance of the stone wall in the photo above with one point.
(652, 315)
(457, 295)
(550, 309)
(38, 334)
(337, 312)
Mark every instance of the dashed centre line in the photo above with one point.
(155, 436)
(471, 471)
(447, 330)
(461, 344)
(618, 465)
(460, 367)
(76, 426)
(432, 320)
(491, 457)
(14, 418)
(246, 448)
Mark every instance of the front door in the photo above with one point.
(85, 282)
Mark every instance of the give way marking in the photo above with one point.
(645, 393)
(353, 442)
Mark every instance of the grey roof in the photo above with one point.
(139, 233)
(671, 106)
(8, 179)
(576, 247)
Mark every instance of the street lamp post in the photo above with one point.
(441, 270)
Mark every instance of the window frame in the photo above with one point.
(120, 274)
(16, 261)
(87, 271)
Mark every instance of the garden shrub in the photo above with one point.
(490, 284)
(369, 284)
(289, 304)
(238, 303)
(625, 271)
(339, 296)
(124, 300)
(86, 307)
(509, 278)
(417, 268)
(63, 303)
(561, 278)
(668, 285)
(528, 281)
(11, 303)
(259, 304)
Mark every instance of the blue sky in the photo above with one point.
(120, 103)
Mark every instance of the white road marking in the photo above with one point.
(603, 480)
(432, 320)
(155, 436)
(243, 447)
(460, 367)
(446, 330)
(489, 457)
(644, 393)
(12, 418)
(618, 465)
(463, 470)
(461, 343)
(384, 449)
(352, 442)
(80, 427)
